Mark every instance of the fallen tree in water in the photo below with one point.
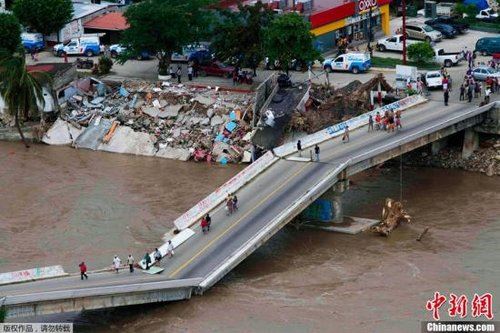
(392, 215)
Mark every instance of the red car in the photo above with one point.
(216, 68)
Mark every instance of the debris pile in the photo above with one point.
(327, 106)
(485, 160)
(180, 122)
(392, 215)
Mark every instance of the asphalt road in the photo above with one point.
(259, 202)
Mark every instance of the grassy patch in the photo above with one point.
(482, 25)
(391, 63)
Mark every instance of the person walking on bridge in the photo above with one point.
(370, 123)
(345, 138)
(83, 270)
(147, 260)
(299, 148)
(157, 256)
(209, 221)
(116, 263)
(316, 152)
(170, 249)
(446, 97)
(130, 262)
(204, 226)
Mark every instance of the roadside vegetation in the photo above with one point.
(391, 63)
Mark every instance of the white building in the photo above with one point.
(2, 6)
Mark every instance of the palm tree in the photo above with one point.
(20, 89)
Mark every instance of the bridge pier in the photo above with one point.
(471, 142)
(338, 189)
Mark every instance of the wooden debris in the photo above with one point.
(419, 238)
(392, 215)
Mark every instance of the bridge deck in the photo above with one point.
(260, 202)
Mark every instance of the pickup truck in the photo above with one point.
(394, 43)
(447, 59)
(85, 45)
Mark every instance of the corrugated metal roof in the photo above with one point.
(82, 9)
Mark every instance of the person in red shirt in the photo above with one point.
(83, 270)
(378, 120)
(204, 225)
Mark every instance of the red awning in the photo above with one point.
(111, 21)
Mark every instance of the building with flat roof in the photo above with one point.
(332, 19)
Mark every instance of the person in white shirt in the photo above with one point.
(170, 249)
(117, 263)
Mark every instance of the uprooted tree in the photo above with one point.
(392, 215)
(163, 27)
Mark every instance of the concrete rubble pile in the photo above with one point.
(158, 119)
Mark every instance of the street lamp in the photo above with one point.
(404, 30)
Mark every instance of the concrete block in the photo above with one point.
(471, 142)
(174, 153)
(126, 141)
(61, 133)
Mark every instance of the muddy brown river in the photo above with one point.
(61, 206)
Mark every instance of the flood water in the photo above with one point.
(60, 206)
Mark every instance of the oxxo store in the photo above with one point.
(351, 20)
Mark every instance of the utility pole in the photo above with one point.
(403, 2)
(369, 28)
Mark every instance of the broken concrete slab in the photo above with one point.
(174, 153)
(204, 100)
(170, 111)
(127, 141)
(61, 133)
(92, 136)
(216, 120)
(151, 111)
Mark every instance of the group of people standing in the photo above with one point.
(389, 122)
(177, 73)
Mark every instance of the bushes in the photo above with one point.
(105, 65)
(421, 53)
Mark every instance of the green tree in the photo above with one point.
(421, 53)
(10, 33)
(470, 10)
(20, 89)
(163, 27)
(43, 16)
(287, 38)
(240, 35)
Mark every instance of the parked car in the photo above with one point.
(195, 53)
(32, 41)
(353, 62)
(488, 45)
(445, 29)
(459, 27)
(482, 72)
(85, 45)
(433, 79)
(394, 43)
(423, 32)
(447, 59)
(116, 49)
(216, 68)
(487, 14)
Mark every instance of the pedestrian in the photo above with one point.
(204, 226)
(370, 123)
(130, 262)
(147, 260)
(65, 55)
(170, 249)
(235, 202)
(390, 122)
(462, 91)
(345, 138)
(83, 270)
(470, 91)
(446, 97)
(398, 119)
(229, 204)
(209, 220)
(190, 72)
(444, 82)
(316, 152)
(172, 71)
(116, 263)
(477, 89)
(487, 93)
(420, 86)
(179, 73)
(449, 82)
(158, 256)
(299, 147)
(378, 120)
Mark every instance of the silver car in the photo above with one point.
(482, 72)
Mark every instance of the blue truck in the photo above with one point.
(32, 42)
(355, 63)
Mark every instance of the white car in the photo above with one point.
(433, 79)
(487, 14)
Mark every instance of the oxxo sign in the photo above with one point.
(366, 4)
